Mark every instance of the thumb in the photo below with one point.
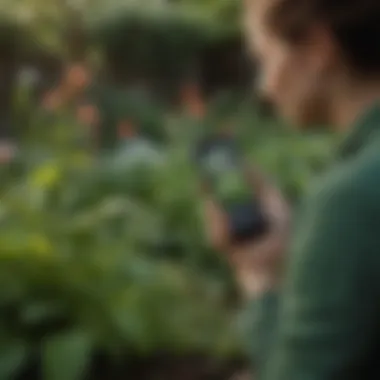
(269, 196)
(216, 224)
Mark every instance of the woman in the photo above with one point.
(319, 317)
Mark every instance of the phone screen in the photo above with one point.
(222, 166)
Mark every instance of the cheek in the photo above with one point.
(277, 79)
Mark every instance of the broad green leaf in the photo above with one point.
(38, 312)
(12, 357)
(66, 356)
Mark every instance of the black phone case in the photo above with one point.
(246, 222)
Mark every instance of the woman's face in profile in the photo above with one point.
(292, 77)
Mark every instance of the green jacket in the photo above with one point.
(325, 325)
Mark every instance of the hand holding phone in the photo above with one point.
(222, 169)
(253, 240)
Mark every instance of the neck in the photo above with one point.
(353, 103)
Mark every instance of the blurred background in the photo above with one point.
(104, 269)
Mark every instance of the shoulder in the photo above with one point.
(353, 185)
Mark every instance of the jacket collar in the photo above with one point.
(361, 133)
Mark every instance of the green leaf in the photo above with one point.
(66, 356)
(12, 357)
(37, 312)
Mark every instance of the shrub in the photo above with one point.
(108, 254)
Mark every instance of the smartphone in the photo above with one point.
(220, 164)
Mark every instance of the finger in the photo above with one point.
(261, 183)
(262, 257)
(216, 224)
(277, 212)
(272, 201)
(275, 204)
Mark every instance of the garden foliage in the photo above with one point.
(107, 253)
